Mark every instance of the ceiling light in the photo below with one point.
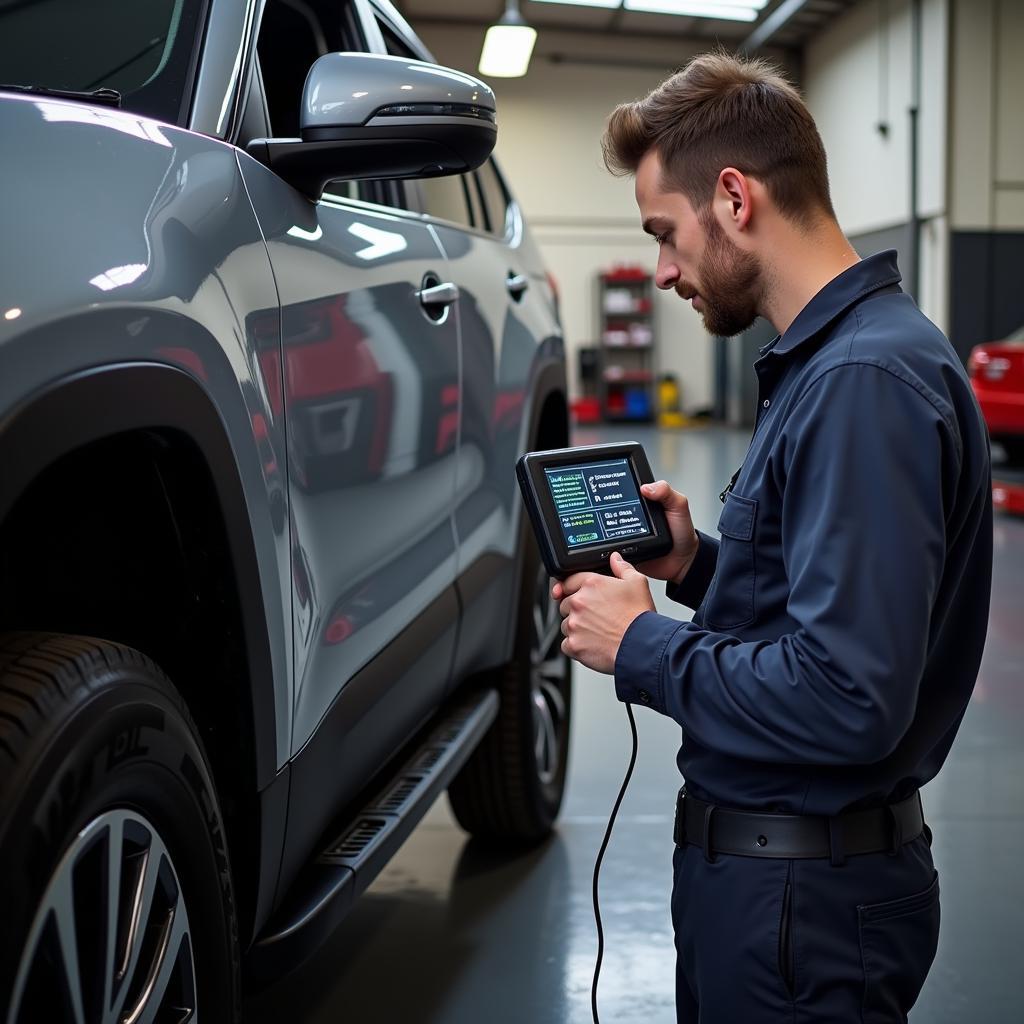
(584, 3)
(741, 10)
(508, 45)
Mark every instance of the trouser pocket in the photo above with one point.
(898, 940)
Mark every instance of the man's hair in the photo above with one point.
(725, 111)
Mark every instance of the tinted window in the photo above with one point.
(292, 37)
(495, 197)
(141, 48)
(447, 198)
(394, 43)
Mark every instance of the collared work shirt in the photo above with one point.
(841, 616)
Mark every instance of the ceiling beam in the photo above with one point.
(772, 24)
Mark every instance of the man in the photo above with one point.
(840, 619)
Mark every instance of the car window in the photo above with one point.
(447, 198)
(293, 34)
(495, 197)
(141, 49)
(450, 198)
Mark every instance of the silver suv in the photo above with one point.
(272, 334)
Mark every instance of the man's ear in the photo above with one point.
(733, 198)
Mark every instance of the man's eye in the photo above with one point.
(661, 239)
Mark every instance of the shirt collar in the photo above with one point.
(870, 274)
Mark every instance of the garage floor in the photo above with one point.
(449, 935)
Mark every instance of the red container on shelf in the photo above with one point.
(586, 410)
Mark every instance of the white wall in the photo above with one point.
(987, 89)
(857, 74)
(549, 129)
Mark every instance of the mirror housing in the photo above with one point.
(369, 116)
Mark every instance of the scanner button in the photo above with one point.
(628, 551)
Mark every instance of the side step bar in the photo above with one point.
(325, 891)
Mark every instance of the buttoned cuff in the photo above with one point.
(639, 659)
(698, 578)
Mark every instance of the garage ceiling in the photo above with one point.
(782, 23)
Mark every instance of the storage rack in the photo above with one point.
(626, 319)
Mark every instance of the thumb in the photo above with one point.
(620, 567)
(660, 491)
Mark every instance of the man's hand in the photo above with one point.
(597, 610)
(676, 564)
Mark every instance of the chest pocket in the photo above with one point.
(730, 600)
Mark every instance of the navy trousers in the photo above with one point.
(803, 941)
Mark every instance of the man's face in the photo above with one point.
(695, 256)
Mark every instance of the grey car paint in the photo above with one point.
(154, 256)
(371, 393)
(374, 79)
(158, 234)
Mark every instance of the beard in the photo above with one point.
(731, 282)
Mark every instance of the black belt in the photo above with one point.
(797, 836)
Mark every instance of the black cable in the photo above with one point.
(600, 857)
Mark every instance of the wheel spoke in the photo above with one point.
(551, 631)
(546, 740)
(538, 624)
(63, 910)
(551, 670)
(173, 932)
(556, 702)
(142, 899)
(115, 850)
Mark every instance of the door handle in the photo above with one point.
(438, 296)
(516, 285)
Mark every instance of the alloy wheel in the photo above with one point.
(548, 670)
(110, 942)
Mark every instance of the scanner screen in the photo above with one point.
(597, 503)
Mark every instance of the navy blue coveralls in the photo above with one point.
(839, 629)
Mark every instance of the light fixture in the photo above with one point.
(12, 314)
(728, 10)
(507, 45)
(607, 4)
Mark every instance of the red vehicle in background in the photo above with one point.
(997, 375)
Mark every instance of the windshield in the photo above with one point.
(141, 48)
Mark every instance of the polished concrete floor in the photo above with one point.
(449, 935)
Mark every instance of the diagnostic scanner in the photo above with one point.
(584, 503)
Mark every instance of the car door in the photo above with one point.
(503, 320)
(501, 324)
(369, 371)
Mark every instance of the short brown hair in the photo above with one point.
(725, 111)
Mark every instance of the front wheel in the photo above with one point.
(511, 787)
(122, 906)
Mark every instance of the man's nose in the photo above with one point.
(666, 275)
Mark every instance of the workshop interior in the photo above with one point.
(330, 350)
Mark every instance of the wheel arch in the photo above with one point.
(164, 416)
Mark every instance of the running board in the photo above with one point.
(326, 890)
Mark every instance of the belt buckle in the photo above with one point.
(679, 825)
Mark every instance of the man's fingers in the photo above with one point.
(573, 583)
(661, 492)
(620, 566)
(556, 590)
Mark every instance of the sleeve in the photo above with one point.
(697, 580)
(863, 539)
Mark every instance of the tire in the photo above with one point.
(109, 823)
(510, 790)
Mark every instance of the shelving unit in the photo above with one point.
(625, 298)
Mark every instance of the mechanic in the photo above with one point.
(840, 619)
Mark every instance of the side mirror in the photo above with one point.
(369, 116)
